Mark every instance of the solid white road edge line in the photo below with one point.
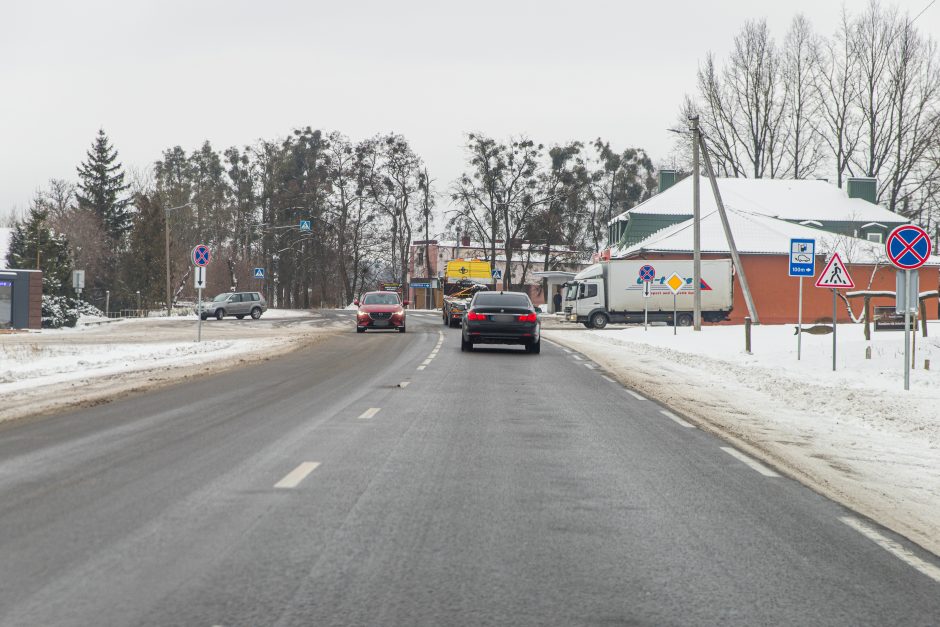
(297, 475)
(893, 548)
(671, 416)
(606, 378)
(369, 413)
(753, 463)
(635, 395)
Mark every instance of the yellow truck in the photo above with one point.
(462, 279)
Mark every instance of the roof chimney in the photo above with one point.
(667, 178)
(863, 187)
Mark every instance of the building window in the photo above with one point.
(419, 258)
(874, 237)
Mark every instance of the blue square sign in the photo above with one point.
(802, 257)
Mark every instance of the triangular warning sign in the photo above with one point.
(835, 275)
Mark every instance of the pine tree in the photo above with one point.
(101, 188)
(144, 269)
(54, 260)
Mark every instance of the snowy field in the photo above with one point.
(853, 434)
(98, 359)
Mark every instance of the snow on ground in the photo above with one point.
(100, 358)
(853, 434)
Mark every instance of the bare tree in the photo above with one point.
(837, 90)
(800, 74)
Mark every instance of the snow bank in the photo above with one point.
(853, 434)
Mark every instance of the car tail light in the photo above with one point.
(532, 317)
(472, 315)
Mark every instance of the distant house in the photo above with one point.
(528, 258)
(764, 215)
(817, 204)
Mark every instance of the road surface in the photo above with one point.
(389, 479)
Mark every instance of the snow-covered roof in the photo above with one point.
(756, 234)
(786, 199)
(5, 236)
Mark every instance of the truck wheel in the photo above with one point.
(599, 320)
(685, 320)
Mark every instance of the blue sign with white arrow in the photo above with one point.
(305, 225)
(802, 257)
(259, 273)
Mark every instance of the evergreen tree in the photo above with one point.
(144, 269)
(102, 186)
(54, 260)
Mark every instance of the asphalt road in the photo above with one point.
(495, 488)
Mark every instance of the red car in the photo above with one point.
(380, 310)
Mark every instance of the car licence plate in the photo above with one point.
(380, 323)
(503, 318)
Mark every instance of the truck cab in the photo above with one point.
(586, 298)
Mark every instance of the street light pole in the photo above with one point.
(166, 235)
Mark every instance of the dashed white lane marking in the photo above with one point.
(294, 477)
(606, 378)
(753, 463)
(671, 416)
(566, 350)
(369, 413)
(426, 361)
(404, 384)
(638, 397)
(591, 366)
(577, 357)
(421, 367)
(893, 548)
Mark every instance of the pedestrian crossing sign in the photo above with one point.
(259, 273)
(835, 275)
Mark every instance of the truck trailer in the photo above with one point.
(613, 291)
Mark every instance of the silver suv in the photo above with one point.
(238, 304)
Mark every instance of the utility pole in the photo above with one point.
(696, 230)
(166, 235)
(38, 239)
(751, 309)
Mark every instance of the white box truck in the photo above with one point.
(612, 291)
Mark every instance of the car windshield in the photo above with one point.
(501, 300)
(220, 298)
(389, 298)
(572, 292)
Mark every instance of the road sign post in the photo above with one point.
(201, 256)
(199, 282)
(78, 281)
(647, 274)
(802, 263)
(835, 276)
(675, 283)
(908, 247)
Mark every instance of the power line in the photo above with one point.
(923, 11)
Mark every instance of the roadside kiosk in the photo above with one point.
(20, 299)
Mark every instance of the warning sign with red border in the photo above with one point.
(835, 275)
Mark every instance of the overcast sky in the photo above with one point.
(158, 74)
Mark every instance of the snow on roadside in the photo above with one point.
(853, 434)
(29, 366)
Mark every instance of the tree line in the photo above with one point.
(366, 202)
(362, 200)
(862, 101)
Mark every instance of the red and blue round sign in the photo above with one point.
(908, 247)
(201, 255)
(647, 273)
